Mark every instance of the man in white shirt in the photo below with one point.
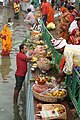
(71, 55)
(30, 17)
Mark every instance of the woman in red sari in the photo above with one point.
(50, 17)
(45, 9)
(75, 37)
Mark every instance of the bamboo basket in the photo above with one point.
(45, 98)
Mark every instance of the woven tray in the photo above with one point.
(47, 98)
(52, 106)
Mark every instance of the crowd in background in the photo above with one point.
(69, 28)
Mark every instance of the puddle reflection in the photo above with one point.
(19, 110)
(16, 112)
(5, 67)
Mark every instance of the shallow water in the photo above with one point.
(8, 111)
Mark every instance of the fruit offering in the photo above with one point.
(41, 79)
(39, 88)
(54, 107)
(59, 93)
(44, 64)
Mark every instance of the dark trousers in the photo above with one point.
(16, 15)
(19, 82)
(44, 19)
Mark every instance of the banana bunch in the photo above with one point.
(48, 94)
(59, 93)
(41, 42)
(60, 109)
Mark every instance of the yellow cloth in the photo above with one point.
(16, 7)
(6, 37)
(72, 56)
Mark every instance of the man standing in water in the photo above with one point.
(21, 62)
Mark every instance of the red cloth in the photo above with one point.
(62, 63)
(74, 31)
(50, 17)
(72, 17)
(78, 42)
(45, 8)
(21, 62)
(16, 1)
(72, 40)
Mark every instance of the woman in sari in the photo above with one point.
(6, 38)
(44, 10)
(75, 37)
(64, 24)
(50, 16)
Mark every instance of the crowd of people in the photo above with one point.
(69, 24)
(68, 41)
(70, 59)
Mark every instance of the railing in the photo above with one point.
(29, 97)
(73, 85)
(29, 102)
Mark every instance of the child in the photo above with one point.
(10, 24)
